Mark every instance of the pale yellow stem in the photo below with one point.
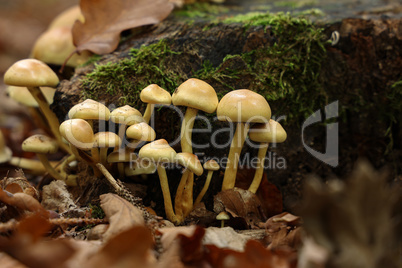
(204, 189)
(35, 167)
(109, 177)
(103, 156)
(179, 194)
(239, 137)
(187, 199)
(52, 172)
(262, 151)
(49, 115)
(186, 130)
(148, 112)
(170, 215)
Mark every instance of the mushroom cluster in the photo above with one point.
(130, 147)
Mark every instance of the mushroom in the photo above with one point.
(33, 74)
(242, 106)
(55, 45)
(67, 17)
(104, 141)
(184, 193)
(160, 152)
(139, 133)
(119, 157)
(125, 116)
(43, 145)
(223, 216)
(211, 166)
(142, 167)
(196, 95)
(271, 132)
(89, 110)
(151, 95)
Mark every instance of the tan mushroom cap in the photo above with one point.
(40, 144)
(5, 152)
(145, 168)
(126, 115)
(141, 132)
(78, 132)
(120, 156)
(67, 17)
(243, 105)
(196, 94)
(211, 165)
(106, 140)
(89, 110)
(158, 151)
(23, 96)
(222, 216)
(154, 94)
(191, 162)
(271, 132)
(30, 73)
(55, 45)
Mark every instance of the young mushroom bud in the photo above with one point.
(33, 74)
(211, 166)
(125, 116)
(223, 216)
(243, 107)
(152, 95)
(271, 132)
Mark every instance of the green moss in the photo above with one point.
(126, 78)
(96, 212)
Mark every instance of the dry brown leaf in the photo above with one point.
(9, 262)
(122, 215)
(240, 203)
(283, 230)
(105, 20)
(130, 248)
(21, 201)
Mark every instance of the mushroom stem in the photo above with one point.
(103, 156)
(49, 115)
(95, 154)
(204, 189)
(186, 129)
(179, 194)
(166, 194)
(260, 169)
(148, 112)
(49, 168)
(239, 137)
(36, 167)
(187, 199)
(109, 177)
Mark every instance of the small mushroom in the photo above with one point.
(243, 107)
(119, 157)
(89, 110)
(140, 132)
(142, 167)
(160, 152)
(32, 73)
(223, 216)
(184, 193)
(271, 132)
(151, 95)
(211, 166)
(125, 116)
(43, 145)
(104, 141)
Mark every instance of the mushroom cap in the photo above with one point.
(106, 140)
(243, 105)
(40, 144)
(5, 152)
(271, 132)
(211, 165)
(196, 94)
(120, 156)
(223, 216)
(154, 94)
(126, 115)
(30, 73)
(190, 161)
(78, 132)
(158, 151)
(55, 45)
(141, 132)
(89, 110)
(67, 17)
(146, 167)
(23, 96)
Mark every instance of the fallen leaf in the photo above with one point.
(240, 203)
(121, 214)
(21, 201)
(283, 230)
(105, 20)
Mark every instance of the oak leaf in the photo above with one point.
(105, 20)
